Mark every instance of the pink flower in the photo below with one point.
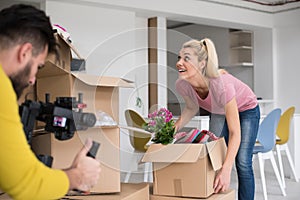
(161, 124)
(152, 123)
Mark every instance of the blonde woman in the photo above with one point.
(233, 106)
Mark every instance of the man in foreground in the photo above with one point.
(26, 38)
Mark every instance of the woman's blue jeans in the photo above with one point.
(249, 120)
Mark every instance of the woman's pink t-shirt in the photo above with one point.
(221, 90)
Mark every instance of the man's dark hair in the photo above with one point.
(24, 23)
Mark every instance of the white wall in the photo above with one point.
(102, 36)
(287, 70)
(287, 61)
(263, 63)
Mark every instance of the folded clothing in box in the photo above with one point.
(195, 136)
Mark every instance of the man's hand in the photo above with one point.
(84, 172)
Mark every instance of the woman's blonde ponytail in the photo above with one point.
(212, 59)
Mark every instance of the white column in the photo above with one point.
(162, 62)
(294, 143)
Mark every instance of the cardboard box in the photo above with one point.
(57, 79)
(228, 195)
(99, 94)
(129, 192)
(65, 55)
(185, 170)
(63, 153)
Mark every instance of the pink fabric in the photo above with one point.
(221, 91)
(195, 136)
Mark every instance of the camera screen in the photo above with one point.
(59, 121)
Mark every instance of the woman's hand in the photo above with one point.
(222, 180)
(222, 71)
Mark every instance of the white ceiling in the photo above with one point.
(272, 2)
(268, 6)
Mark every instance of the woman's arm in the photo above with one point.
(189, 111)
(222, 180)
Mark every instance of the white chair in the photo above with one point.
(266, 137)
(138, 139)
(283, 133)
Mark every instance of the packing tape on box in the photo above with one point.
(178, 187)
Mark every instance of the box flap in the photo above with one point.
(50, 69)
(107, 81)
(72, 47)
(174, 153)
(217, 152)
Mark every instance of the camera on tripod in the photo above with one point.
(63, 117)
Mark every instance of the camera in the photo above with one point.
(62, 117)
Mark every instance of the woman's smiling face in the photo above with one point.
(188, 64)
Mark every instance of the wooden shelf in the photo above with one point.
(241, 47)
(239, 32)
(245, 64)
(265, 101)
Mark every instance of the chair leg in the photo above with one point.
(291, 162)
(275, 168)
(278, 149)
(128, 174)
(133, 161)
(262, 174)
(146, 171)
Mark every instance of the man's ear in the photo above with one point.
(24, 53)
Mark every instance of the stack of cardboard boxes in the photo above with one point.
(180, 171)
(100, 94)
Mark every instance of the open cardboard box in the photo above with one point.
(99, 94)
(185, 170)
(56, 78)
